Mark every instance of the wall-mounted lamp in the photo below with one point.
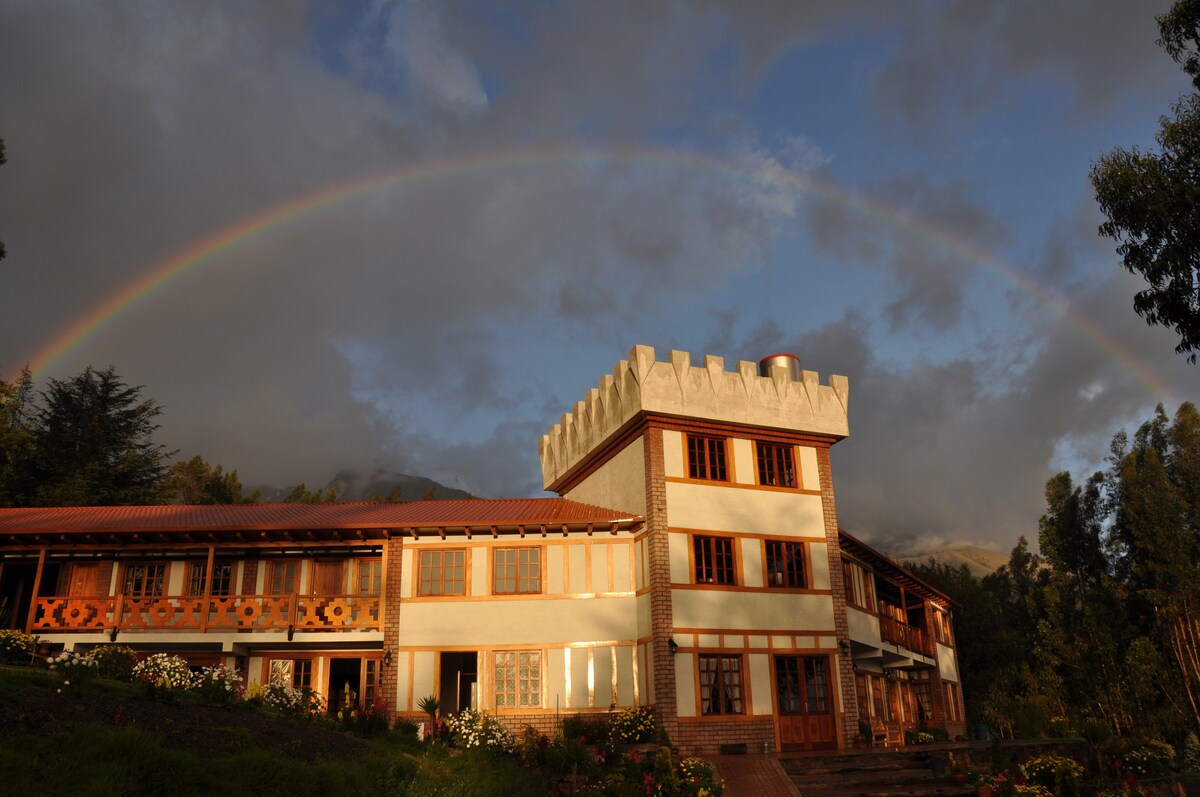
(112, 635)
(672, 646)
(844, 644)
(387, 658)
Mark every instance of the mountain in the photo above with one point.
(980, 561)
(355, 485)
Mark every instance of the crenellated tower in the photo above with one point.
(739, 574)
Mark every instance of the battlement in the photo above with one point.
(708, 391)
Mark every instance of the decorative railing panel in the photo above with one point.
(227, 613)
(911, 637)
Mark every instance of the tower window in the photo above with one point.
(706, 458)
(776, 465)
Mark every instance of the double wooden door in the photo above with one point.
(804, 703)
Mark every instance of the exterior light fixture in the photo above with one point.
(672, 646)
(387, 658)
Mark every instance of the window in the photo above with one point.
(294, 673)
(518, 679)
(706, 458)
(282, 577)
(443, 573)
(144, 580)
(714, 560)
(785, 564)
(517, 570)
(952, 710)
(720, 685)
(368, 576)
(222, 580)
(776, 465)
(859, 585)
(941, 627)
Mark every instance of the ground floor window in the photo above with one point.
(294, 673)
(518, 679)
(721, 685)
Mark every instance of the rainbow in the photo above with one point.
(161, 275)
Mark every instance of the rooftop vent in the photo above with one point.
(789, 361)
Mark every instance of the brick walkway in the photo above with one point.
(754, 775)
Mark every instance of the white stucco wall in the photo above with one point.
(462, 623)
(749, 611)
(620, 483)
(724, 508)
(945, 659)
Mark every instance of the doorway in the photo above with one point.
(803, 703)
(459, 684)
(345, 681)
(16, 586)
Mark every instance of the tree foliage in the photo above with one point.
(93, 443)
(3, 160)
(1103, 625)
(197, 482)
(1151, 199)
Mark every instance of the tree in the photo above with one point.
(92, 439)
(1152, 201)
(15, 439)
(197, 482)
(300, 494)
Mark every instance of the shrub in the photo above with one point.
(1191, 754)
(73, 666)
(370, 720)
(218, 684)
(162, 671)
(593, 730)
(475, 729)
(1147, 758)
(1043, 770)
(114, 662)
(303, 702)
(698, 776)
(633, 726)
(15, 646)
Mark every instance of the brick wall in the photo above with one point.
(250, 577)
(706, 738)
(659, 567)
(392, 568)
(849, 693)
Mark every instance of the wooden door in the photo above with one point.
(85, 581)
(328, 578)
(804, 704)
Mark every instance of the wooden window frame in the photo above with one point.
(852, 586)
(222, 583)
(269, 580)
(707, 457)
(721, 664)
(439, 568)
(518, 679)
(520, 584)
(794, 572)
(714, 560)
(160, 581)
(368, 576)
(776, 464)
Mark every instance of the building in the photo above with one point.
(693, 563)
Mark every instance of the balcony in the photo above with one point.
(226, 613)
(905, 635)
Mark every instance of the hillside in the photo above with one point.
(980, 561)
(366, 485)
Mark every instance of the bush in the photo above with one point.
(1147, 758)
(633, 726)
(593, 730)
(1043, 770)
(115, 662)
(218, 684)
(474, 729)
(303, 703)
(73, 666)
(162, 671)
(16, 646)
(698, 776)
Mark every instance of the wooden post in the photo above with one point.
(208, 577)
(37, 587)
(383, 577)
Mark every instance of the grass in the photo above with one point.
(95, 758)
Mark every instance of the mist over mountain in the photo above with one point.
(980, 561)
(367, 485)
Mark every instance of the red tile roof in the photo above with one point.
(509, 512)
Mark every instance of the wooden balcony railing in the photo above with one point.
(905, 635)
(226, 613)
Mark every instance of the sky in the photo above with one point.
(411, 235)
